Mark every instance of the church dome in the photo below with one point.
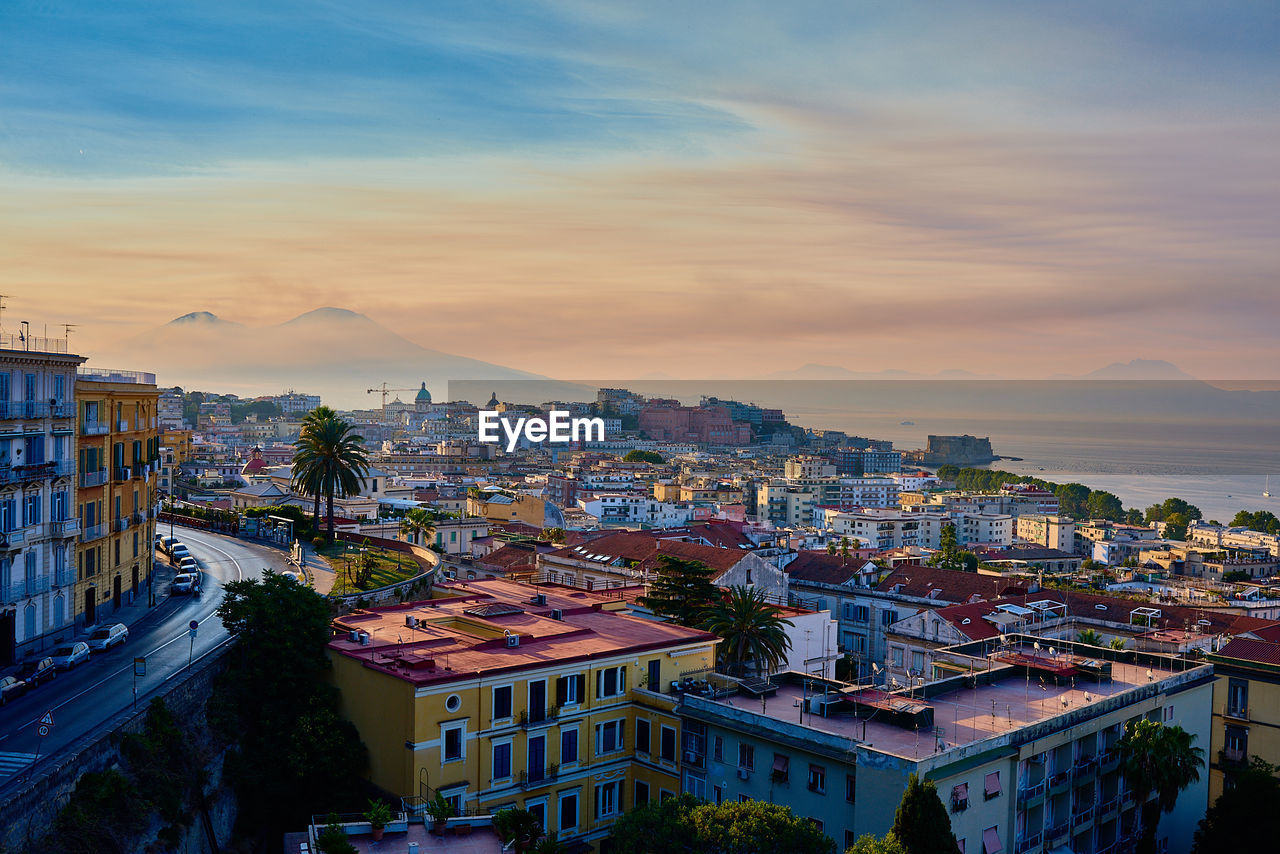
(424, 396)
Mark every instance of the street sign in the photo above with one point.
(193, 625)
(42, 730)
(139, 667)
(47, 720)
(46, 724)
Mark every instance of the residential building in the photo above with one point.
(983, 528)
(886, 529)
(498, 506)
(454, 536)
(118, 448)
(629, 509)
(501, 694)
(1017, 771)
(1052, 532)
(37, 493)
(1246, 706)
(808, 467)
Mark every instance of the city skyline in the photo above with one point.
(805, 185)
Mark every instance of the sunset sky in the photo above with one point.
(584, 189)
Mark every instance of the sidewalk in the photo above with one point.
(133, 612)
(317, 568)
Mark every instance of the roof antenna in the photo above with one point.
(2, 307)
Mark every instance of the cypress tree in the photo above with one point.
(682, 591)
(921, 823)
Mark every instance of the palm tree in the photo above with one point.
(308, 477)
(1089, 637)
(1117, 643)
(1160, 759)
(418, 525)
(330, 456)
(752, 631)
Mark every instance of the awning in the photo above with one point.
(991, 841)
(960, 792)
(781, 763)
(992, 786)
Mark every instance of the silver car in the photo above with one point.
(69, 655)
(108, 636)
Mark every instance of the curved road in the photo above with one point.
(101, 688)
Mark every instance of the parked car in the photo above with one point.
(164, 542)
(184, 583)
(37, 670)
(108, 636)
(188, 564)
(69, 655)
(178, 551)
(11, 687)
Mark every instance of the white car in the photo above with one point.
(69, 655)
(108, 636)
(179, 551)
(188, 565)
(184, 583)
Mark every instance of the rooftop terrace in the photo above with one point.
(917, 722)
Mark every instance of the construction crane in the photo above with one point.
(384, 390)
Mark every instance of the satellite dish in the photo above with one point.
(1037, 646)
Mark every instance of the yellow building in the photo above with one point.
(118, 455)
(1246, 708)
(503, 507)
(666, 490)
(504, 694)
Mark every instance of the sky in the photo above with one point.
(625, 189)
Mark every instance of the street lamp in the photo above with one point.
(153, 493)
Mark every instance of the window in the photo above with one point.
(991, 787)
(668, 745)
(568, 746)
(747, 757)
(31, 509)
(817, 822)
(642, 793)
(849, 839)
(1168, 714)
(502, 761)
(538, 810)
(917, 662)
(991, 840)
(452, 748)
(717, 748)
(717, 795)
(609, 737)
(611, 681)
(608, 799)
(696, 786)
(502, 702)
(1238, 698)
(568, 811)
(897, 656)
(642, 735)
(781, 768)
(1235, 747)
(960, 797)
(818, 779)
(850, 787)
(888, 616)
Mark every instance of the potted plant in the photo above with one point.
(517, 828)
(440, 811)
(379, 816)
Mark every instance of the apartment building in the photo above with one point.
(1052, 532)
(630, 509)
(37, 493)
(502, 695)
(983, 528)
(886, 529)
(1222, 537)
(800, 502)
(1019, 771)
(1246, 706)
(118, 449)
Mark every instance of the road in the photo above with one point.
(82, 698)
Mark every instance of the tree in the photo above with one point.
(1246, 816)
(948, 472)
(1103, 505)
(554, 535)
(1117, 643)
(752, 630)
(687, 825)
(1089, 637)
(418, 525)
(327, 454)
(308, 474)
(1263, 520)
(921, 823)
(517, 828)
(1160, 759)
(1171, 507)
(869, 844)
(1071, 498)
(638, 456)
(682, 591)
(1175, 526)
(295, 754)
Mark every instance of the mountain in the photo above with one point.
(1139, 369)
(813, 371)
(333, 352)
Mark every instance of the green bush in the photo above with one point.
(317, 542)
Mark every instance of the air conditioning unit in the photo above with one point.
(557, 614)
(744, 774)
(690, 756)
(539, 598)
(411, 621)
(513, 641)
(364, 638)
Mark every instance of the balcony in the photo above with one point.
(65, 409)
(539, 717)
(64, 578)
(1057, 831)
(1029, 793)
(93, 532)
(1082, 817)
(120, 473)
(26, 589)
(93, 478)
(23, 409)
(120, 523)
(122, 426)
(1028, 843)
(1107, 807)
(1059, 782)
(137, 519)
(94, 428)
(538, 776)
(1108, 760)
(65, 527)
(30, 473)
